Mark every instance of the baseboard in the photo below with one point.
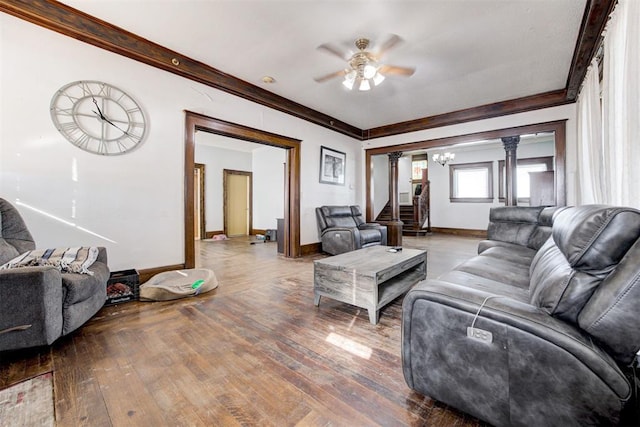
(148, 273)
(311, 249)
(259, 231)
(210, 234)
(460, 232)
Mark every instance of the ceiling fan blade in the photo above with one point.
(389, 44)
(330, 76)
(393, 70)
(335, 51)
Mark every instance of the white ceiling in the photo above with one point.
(466, 53)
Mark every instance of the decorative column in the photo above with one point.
(510, 144)
(394, 227)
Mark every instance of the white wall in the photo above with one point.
(132, 204)
(215, 160)
(380, 174)
(404, 180)
(564, 112)
(474, 216)
(268, 186)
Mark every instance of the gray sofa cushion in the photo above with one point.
(13, 233)
(338, 216)
(612, 315)
(7, 252)
(513, 226)
(595, 238)
(588, 242)
(496, 268)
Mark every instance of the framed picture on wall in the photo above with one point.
(332, 165)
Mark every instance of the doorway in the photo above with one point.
(198, 122)
(237, 201)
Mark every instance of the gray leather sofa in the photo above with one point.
(40, 304)
(553, 300)
(343, 229)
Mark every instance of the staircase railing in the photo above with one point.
(421, 211)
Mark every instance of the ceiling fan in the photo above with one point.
(363, 67)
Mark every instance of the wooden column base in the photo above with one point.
(394, 233)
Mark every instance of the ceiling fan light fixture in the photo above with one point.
(363, 70)
(348, 83)
(349, 79)
(369, 71)
(377, 79)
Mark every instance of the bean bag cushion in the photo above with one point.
(177, 284)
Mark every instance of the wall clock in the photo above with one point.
(98, 117)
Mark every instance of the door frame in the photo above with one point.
(225, 198)
(203, 227)
(199, 122)
(558, 127)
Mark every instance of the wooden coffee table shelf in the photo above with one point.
(369, 278)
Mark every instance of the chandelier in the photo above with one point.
(443, 159)
(364, 71)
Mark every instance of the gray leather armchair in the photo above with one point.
(539, 329)
(343, 229)
(40, 304)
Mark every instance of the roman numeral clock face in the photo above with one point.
(98, 117)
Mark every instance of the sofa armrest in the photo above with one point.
(338, 240)
(532, 359)
(370, 225)
(30, 297)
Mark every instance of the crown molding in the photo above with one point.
(594, 20)
(71, 22)
(519, 105)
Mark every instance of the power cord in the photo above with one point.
(477, 333)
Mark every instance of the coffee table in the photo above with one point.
(369, 278)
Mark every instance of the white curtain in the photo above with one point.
(621, 106)
(590, 141)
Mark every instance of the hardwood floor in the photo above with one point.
(255, 351)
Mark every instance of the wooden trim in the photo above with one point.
(73, 23)
(368, 180)
(199, 122)
(460, 232)
(503, 108)
(594, 20)
(547, 160)
(225, 198)
(148, 273)
(203, 217)
(311, 249)
(558, 127)
(476, 165)
(210, 234)
(259, 231)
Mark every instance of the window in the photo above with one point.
(533, 164)
(418, 163)
(471, 182)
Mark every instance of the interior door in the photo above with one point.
(237, 201)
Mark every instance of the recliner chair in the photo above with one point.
(343, 229)
(39, 304)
